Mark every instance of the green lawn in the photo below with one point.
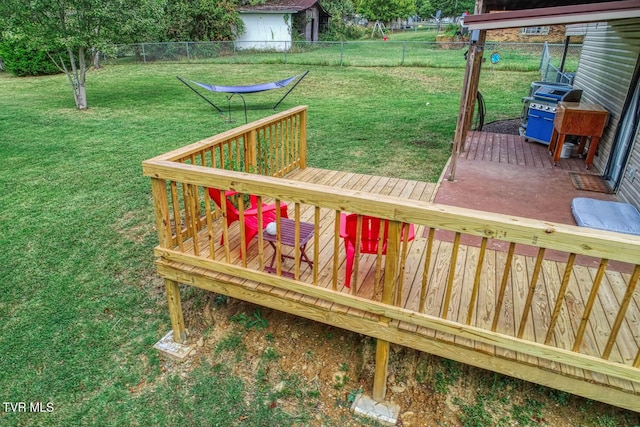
(81, 306)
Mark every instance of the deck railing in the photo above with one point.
(547, 322)
(273, 146)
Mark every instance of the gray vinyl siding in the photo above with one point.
(608, 60)
(630, 188)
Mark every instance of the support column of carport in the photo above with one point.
(469, 93)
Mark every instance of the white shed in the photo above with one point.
(274, 26)
(266, 30)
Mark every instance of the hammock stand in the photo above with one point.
(241, 90)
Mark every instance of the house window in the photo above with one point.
(535, 31)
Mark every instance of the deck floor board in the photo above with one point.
(515, 150)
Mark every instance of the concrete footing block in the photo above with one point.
(384, 412)
(173, 350)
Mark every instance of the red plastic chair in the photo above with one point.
(250, 215)
(368, 238)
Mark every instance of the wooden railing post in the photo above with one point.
(391, 263)
(161, 205)
(250, 151)
(165, 239)
(388, 297)
(303, 139)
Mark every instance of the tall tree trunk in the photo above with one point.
(81, 97)
(96, 59)
(76, 75)
(81, 74)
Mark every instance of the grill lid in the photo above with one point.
(555, 94)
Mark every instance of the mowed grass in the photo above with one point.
(81, 306)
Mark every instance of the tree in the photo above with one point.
(339, 9)
(71, 31)
(341, 26)
(386, 10)
(453, 8)
(425, 9)
(202, 20)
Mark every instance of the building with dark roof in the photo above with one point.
(276, 24)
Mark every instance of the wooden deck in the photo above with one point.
(537, 300)
(515, 150)
(483, 313)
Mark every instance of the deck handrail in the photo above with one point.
(544, 234)
(274, 146)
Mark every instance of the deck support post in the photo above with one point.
(380, 373)
(388, 297)
(175, 311)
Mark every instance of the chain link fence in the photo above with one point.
(512, 56)
(549, 72)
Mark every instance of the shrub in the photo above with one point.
(452, 29)
(21, 60)
(342, 31)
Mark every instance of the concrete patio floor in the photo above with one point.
(508, 175)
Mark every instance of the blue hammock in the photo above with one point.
(240, 90)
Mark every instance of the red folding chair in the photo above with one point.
(250, 215)
(369, 238)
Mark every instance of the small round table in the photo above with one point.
(288, 238)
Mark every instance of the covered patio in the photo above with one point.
(509, 175)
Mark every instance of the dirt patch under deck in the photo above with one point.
(430, 390)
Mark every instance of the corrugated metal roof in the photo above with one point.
(495, 5)
(560, 14)
(281, 6)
